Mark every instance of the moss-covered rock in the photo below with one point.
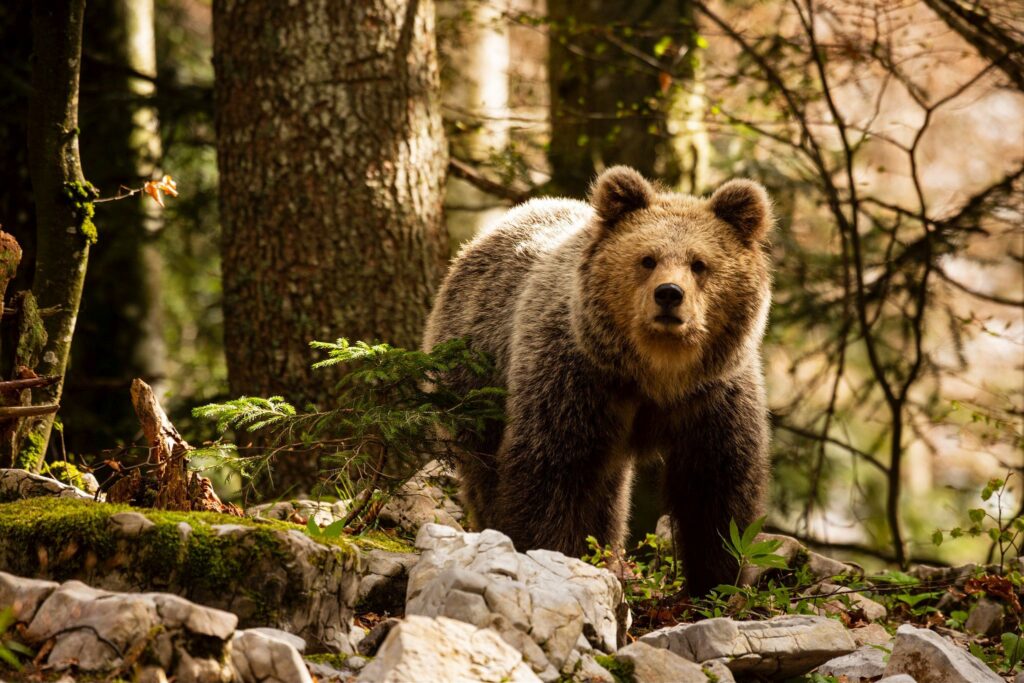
(269, 574)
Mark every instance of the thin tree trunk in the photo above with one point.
(119, 333)
(476, 56)
(332, 159)
(63, 207)
(613, 68)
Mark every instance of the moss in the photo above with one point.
(80, 195)
(205, 562)
(711, 675)
(333, 659)
(375, 539)
(31, 452)
(622, 672)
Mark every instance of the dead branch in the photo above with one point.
(13, 385)
(18, 412)
(464, 171)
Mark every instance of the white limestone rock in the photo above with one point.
(930, 658)
(93, 629)
(543, 603)
(323, 512)
(268, 656)
(441, 649)
(779, 647)
(838, 596)
(19, 484)
(658, 665)
(863, 665)
(421, 500)
(385, 578)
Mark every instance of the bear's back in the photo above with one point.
(479, 296)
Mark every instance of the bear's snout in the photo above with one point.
(668, 295)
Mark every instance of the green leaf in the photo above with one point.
(751, 532)
(773, 561)
(662, 45)
(764, 547)
(312, 527)
(8, 657)
(1013, 648)
(734, 536)
(977, 515)
(937, 537)
(335, 529)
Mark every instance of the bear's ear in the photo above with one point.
(618, 191)
(745, 206)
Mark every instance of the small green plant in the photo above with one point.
(654, 589)
(333, 530)
(1006, 534)
(1003, 656)
(394, 410)
(750, 552)
(11, 650)
(622, 672)
(1013, 650)
(957, 620)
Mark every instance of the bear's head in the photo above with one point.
(673, 290)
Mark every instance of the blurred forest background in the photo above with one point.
(330, 156)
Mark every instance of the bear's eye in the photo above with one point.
(698, 267)
(648, 262)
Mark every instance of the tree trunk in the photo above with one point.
(119, 331)
(614, 67)
(332, 159)
(475, 58)
(62, 197)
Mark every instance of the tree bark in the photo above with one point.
(332, 160)
(63, 207)
(119, 333)
(611, 93)
(475, 58)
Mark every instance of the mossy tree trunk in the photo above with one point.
(615, 70)
(119, 331)
(62, 199)
(331, 156)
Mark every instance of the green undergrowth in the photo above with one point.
(64, 525)
(333, 659)
(375, 539)
(622, 672)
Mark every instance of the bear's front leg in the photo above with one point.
(561, 476)
(716, 470)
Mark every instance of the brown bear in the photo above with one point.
(622, 330)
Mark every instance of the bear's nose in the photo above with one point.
(668, 295)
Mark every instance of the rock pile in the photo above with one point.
(145, 635)
(266, 575)
(475, 608)
(550, 607)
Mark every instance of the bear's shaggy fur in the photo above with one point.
(601, 374)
